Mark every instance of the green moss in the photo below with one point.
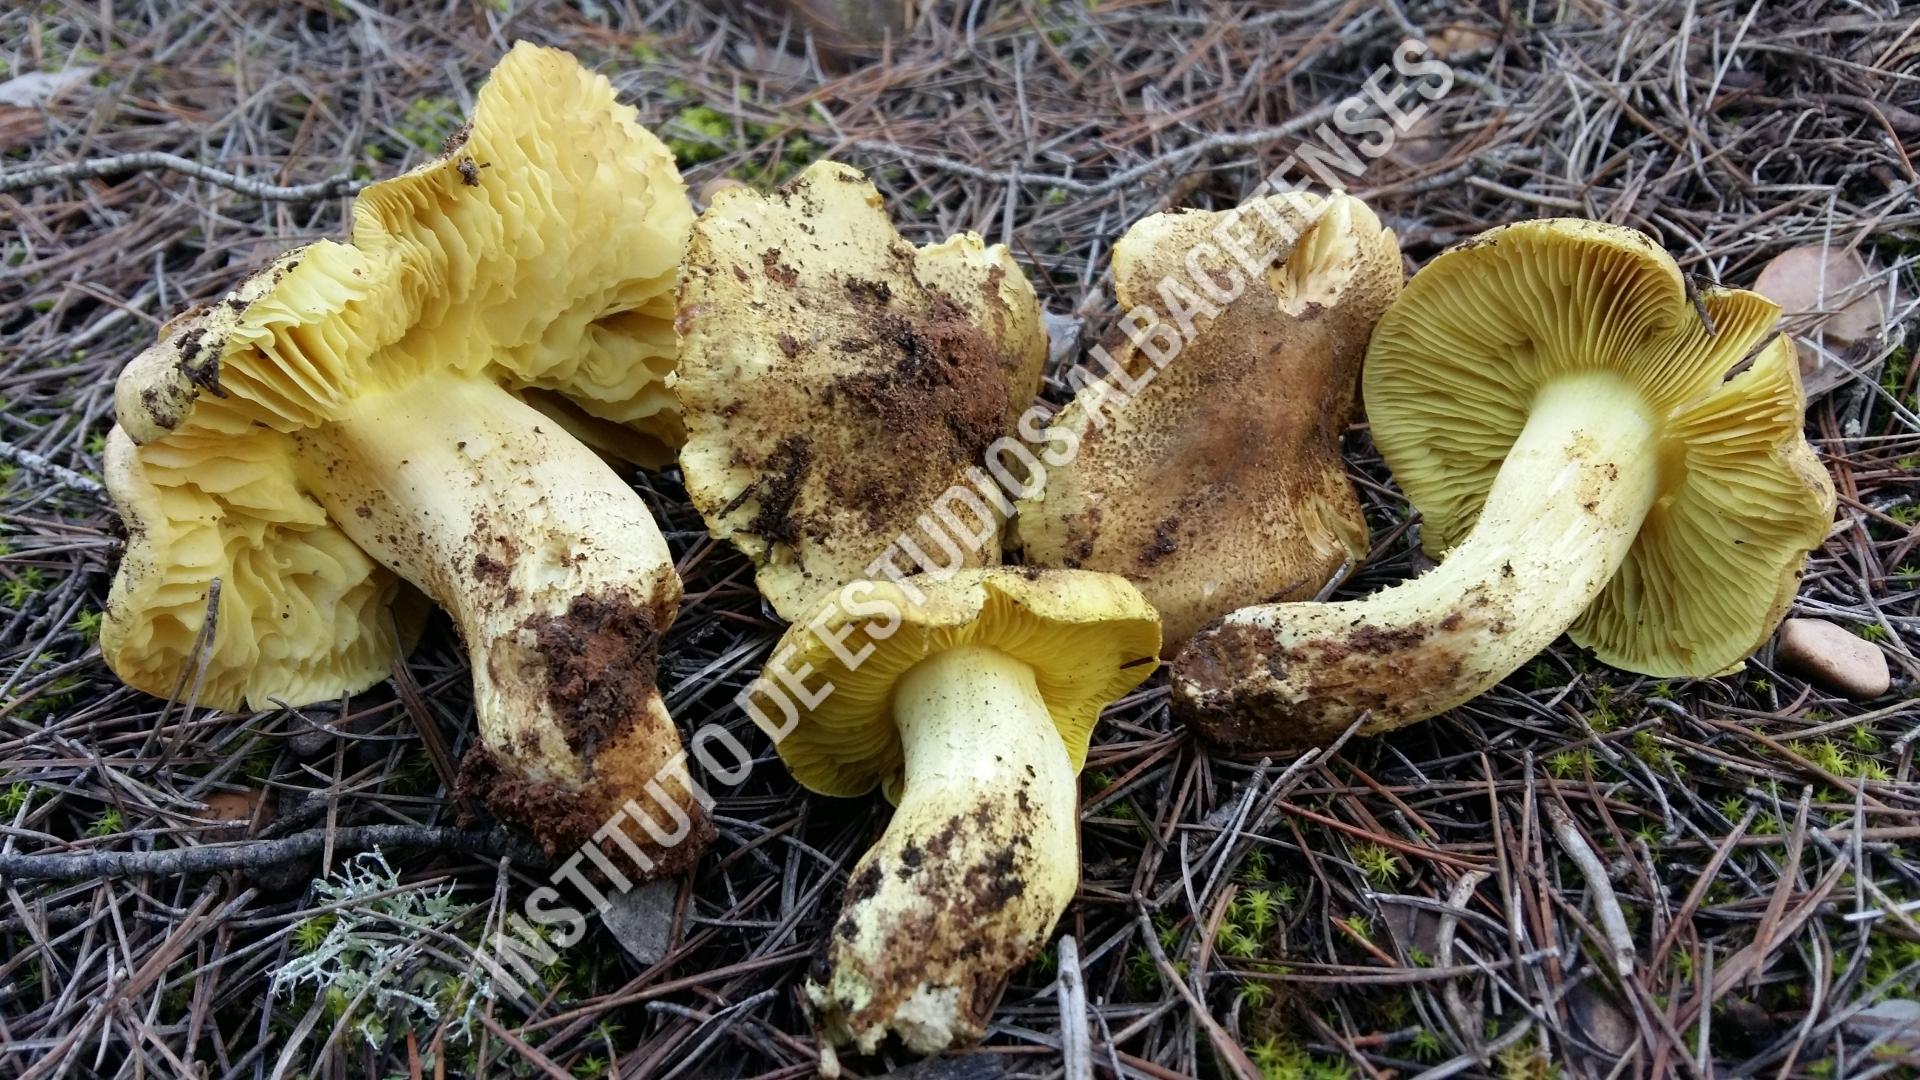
(1255, 866)
(1278, 1059)
(1424, 1046)
(107, 824)
(416, 776)
(698, 133)
(1649, 749)
(24, 586)
(1380, 866)
(310, 933)
(1893, 374)
(1142, 972)
(1568, 764)
(1048, 961)
(1237, 943)
(1254, 911)
(258, 764)
(428, 122)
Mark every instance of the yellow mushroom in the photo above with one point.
(347, 420)
(1588, 454)
(969, 702)
(837, 381)
(1220, 483)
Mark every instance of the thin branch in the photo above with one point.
(57, 473)
(1612, 920)
(1076, 1047)
(36, 175)
(254, 854)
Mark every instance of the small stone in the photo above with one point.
(1830, 657)
(228, 813)
(308, 745)
(1063, 338)
(641, 919)
(1896, 1022)
(1829, 292)
(1459, 39)
(1609, 1028)
(1421, 143)
(37, 88)
(715, 186)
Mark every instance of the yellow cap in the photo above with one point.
(1452, 372)
(539, 252)
(1089, 638)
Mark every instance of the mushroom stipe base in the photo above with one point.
(1557, 523)
(976, 866)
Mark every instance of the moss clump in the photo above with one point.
(698, 133)
(427, 123)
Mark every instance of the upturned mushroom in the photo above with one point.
(1589, 452)
(345, 424)
(837, 382)
(969, 702)
(1220, 483)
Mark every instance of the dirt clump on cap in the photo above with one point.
(782, 474)
(942, 401)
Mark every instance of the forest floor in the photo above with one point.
(1410, 902)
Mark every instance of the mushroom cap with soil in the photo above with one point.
(1589, 452)
(836, 381)
(1220, 484)
(969, 702)
(346, 423)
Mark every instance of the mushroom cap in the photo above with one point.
(1089, 637)
(1453, 368)
(302, 613)
(539, 251)
(1220, 484)
(836, 380)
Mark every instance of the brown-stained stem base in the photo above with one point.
(980, 859)
(564, 819)
(561, 587)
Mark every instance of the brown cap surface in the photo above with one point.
(1221, 485)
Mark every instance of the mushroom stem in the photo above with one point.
(980, 859)
(558, 580)
(1558, 521)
